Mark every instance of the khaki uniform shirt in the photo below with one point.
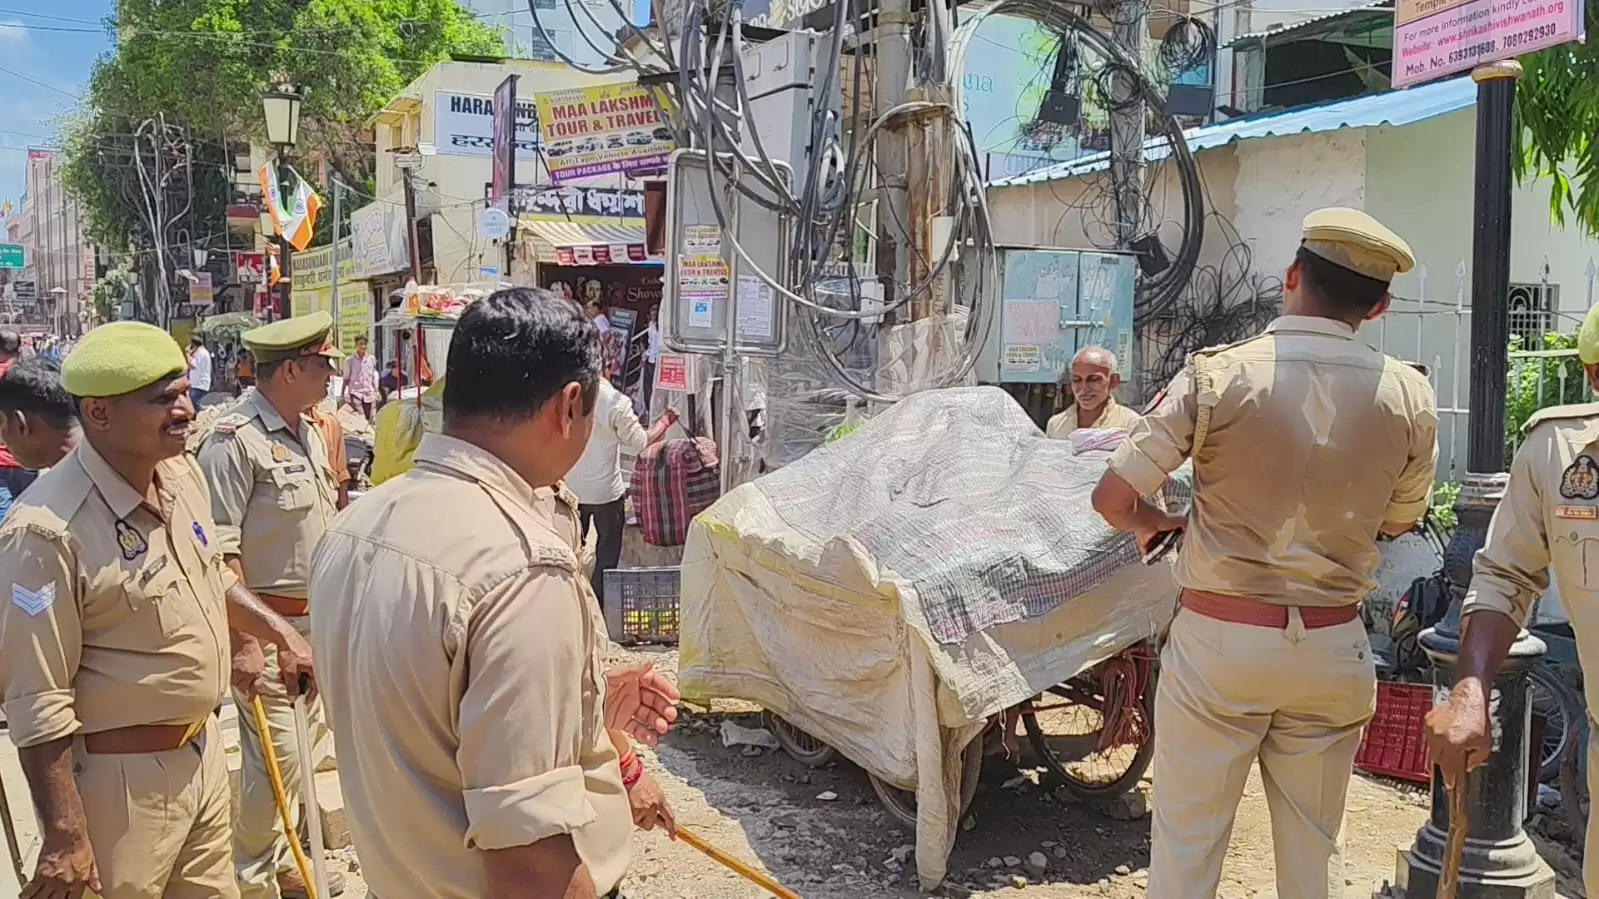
(1114, 415)
(1547, 522)
(116, 614)
(461, 666)
(273, 493)
(1314, 439)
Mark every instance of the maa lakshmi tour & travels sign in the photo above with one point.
(602, 129)
(1435, 38)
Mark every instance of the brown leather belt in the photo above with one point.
(1243, 610)
(287, 606)
(140, 738)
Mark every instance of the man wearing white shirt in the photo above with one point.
(199, 369)
(652, 360)
(597, 476)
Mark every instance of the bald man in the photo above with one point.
(1094, 380)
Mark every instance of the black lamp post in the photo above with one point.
(282, 108)
(1500, 861)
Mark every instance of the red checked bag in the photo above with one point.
(673, 482)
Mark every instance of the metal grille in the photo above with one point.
(1532, 312)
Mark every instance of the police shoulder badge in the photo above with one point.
(280, 453)
(132, 542)
(1580, 480)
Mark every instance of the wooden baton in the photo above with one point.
(736, 866)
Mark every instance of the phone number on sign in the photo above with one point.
(1527, 36)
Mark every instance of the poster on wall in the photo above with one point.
(601, 130)
(503, 172)
(672, 373)
(463, 125)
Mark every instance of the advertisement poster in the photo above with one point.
(601, 130)
(579, 204)
(1434, 38)
(463, 125)
(503, 173)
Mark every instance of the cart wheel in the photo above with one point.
(803, 747)
(1065, 737)
(1563, 716)
(902, 803)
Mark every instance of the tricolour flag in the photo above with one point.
(295, 224)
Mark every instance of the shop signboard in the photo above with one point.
(587, 205)
(504, 168)
(250, 268)
(463, 125)
(26, 292)
(1435, 38)
(378, 240)
(601, 130)
(11, 255)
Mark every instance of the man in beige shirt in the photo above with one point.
(1306, 444)
(113, 647)
(1547, 523)
(486, 751)
(273, 493)
(1093, 382)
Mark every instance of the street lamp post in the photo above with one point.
(1500, 861)
(282, 108)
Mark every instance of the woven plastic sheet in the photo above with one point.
(960, 493)
(789, 599)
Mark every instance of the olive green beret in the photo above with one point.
(291, 338)
(121, 357)
(1588, 338)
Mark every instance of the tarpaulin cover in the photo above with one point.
(891, 590)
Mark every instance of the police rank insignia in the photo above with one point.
(132, 542)
(1580, 480)
(33, 601)
(280, 453)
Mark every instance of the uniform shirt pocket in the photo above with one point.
(151, 594)
(1574, 553)
(295, 486)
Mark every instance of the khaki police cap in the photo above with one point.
(121, 357)
(1351, 239)
(1588, 338)
(292, 338)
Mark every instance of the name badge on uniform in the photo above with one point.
(294, 469)
(1578, 513)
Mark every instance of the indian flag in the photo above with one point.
(297, 223)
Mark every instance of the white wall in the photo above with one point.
(1280, 180)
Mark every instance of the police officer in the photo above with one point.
(498, 761)
(1548, 522)
(273, 493)
(1306, 444)
(113, 640)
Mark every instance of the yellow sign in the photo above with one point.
(313, 292)
(602, 129)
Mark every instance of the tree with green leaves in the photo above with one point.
(1557, 133)
(202, 65)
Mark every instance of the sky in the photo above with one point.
(45, 61)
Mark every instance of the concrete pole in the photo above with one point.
(1130, 27)
(891, 89)
(333, 256)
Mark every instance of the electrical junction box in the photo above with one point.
(1052, 303)
(783, 78)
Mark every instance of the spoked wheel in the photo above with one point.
(803, 747)
(1562, 713)
(1067, 727)
(902, 803)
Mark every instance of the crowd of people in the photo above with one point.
(485, 750)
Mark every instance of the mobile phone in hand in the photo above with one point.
(1163, 543)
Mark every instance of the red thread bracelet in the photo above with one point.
(628, 780)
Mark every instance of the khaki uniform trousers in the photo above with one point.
(158, 821)
(1230, 694)
(260, 849)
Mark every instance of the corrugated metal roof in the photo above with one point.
(1309, 23)
(1403, 107)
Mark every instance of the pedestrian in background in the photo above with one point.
(496, 759)
(199, 369)
(38, 418)
(361, 380)
(597, 481)
(1306, 444)
(14, 478)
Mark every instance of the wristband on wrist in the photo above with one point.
(629, 778)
